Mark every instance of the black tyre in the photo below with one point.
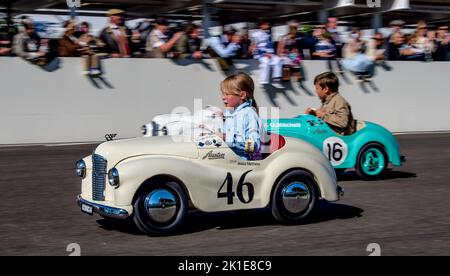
(372, 161)
(295, 198)
(160, 209)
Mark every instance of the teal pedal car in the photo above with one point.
(369, 150)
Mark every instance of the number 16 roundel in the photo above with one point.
(336, 150)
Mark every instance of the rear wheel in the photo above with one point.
(160, 209)
(295, 197)
(372, 162)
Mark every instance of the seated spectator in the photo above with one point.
(89, 50)
(68, 43)
(360, 65)
(442, 52)
(264, 51)
(27, 44)
(398, 49)
(324, 50)
(143, 28)
(335, 110)
(421, 44)
(355, 60)
(158, 44)
(396, 27)
(225, 47)
(116, 37)
(355, 44)
(188, 46)
(244, 51)
(288, 51)
(416, 54)
(376, 51)
(309, 42)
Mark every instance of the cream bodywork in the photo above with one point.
(140, 159)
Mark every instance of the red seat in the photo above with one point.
(276, 142)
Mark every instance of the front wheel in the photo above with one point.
(295, 197)
(160, 209)
(372, 161)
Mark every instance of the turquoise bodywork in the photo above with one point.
(342, 151)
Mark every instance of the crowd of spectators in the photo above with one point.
(277, 59)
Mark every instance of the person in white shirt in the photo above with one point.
(264, 51)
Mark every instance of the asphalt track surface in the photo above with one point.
(406, 213)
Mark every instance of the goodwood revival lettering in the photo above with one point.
(214, 156)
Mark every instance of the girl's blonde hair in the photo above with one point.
(238, 83)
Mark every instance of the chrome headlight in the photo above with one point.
(144, 130)
(113, 177)
(81, 168)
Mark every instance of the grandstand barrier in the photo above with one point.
(65, 106)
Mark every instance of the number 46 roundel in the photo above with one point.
(336, 150)
(229, 194)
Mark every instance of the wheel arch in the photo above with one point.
(367, 139)
(374, 133)
(160, 178)
(289, 171)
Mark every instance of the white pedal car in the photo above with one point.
(206, 121)
(153, 179)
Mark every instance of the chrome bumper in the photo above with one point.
(102, 210)
(341, 191)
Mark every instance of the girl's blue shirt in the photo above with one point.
(242, 124)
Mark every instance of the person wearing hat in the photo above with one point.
(158, 44)
(116, 37)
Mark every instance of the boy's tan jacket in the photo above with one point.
(338, 114)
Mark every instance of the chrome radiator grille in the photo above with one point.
(99, 165)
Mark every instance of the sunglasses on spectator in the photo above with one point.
(423, 28)
(443, 29)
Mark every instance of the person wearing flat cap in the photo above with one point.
(116, 36)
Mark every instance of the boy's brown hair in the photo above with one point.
(328, 79)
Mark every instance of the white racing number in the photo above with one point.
(336, 150)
